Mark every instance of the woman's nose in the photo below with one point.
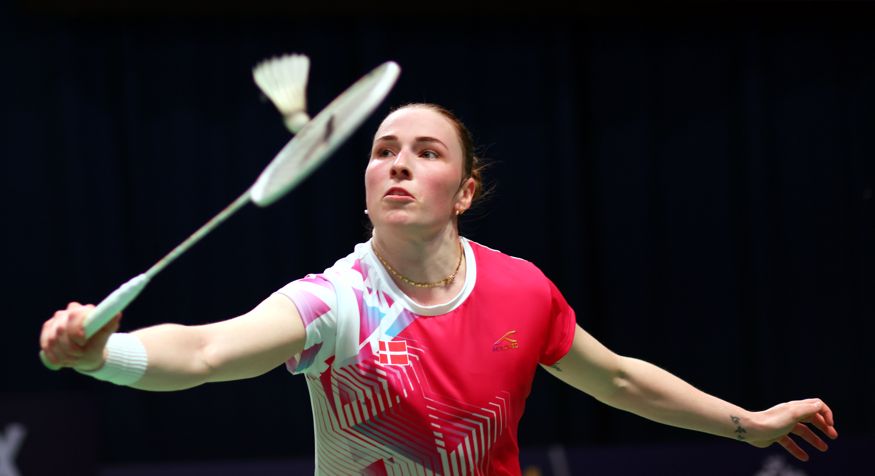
(400, 168)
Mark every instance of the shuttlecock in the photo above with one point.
(284, 81)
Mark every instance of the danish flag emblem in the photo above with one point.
(394, 353)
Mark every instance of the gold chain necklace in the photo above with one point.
(436, 284)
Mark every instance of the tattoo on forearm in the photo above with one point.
(740, 432)
(556, 367)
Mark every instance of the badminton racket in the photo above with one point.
(298, 159)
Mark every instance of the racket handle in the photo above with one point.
(113, 304)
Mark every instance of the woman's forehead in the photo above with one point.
(417, 122)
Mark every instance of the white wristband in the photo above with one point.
(126, 360)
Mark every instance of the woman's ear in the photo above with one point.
(465, 195)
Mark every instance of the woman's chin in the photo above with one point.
(406, 221)
(397, 222)
(392, 219)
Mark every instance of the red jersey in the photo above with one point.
(401, 388)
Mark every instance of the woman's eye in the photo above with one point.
(384, 153)
(429, 154)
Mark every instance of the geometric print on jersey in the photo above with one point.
(370, 428)
(390, 419)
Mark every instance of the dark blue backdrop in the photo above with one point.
(699, 186)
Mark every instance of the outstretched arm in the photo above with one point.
(180, 356)
(651, 392)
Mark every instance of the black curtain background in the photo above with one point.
(698, 184)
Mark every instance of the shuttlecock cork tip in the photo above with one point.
(296, 121)
(284, 81)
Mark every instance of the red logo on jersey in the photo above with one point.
(505, 342)
(394, 353)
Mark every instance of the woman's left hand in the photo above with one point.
(777, 424)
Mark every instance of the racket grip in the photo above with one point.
(113, 304)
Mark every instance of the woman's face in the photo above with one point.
(414, 176)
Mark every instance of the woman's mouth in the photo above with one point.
(397, 192)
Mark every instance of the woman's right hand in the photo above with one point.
(63, 339)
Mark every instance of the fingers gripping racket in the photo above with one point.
(298, 159)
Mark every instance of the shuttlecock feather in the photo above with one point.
(284, 81)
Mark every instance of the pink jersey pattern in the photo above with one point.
(399, 388)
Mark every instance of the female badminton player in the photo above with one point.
(420, 347)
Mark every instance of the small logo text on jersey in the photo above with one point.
(505, 342)
(394, 353)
